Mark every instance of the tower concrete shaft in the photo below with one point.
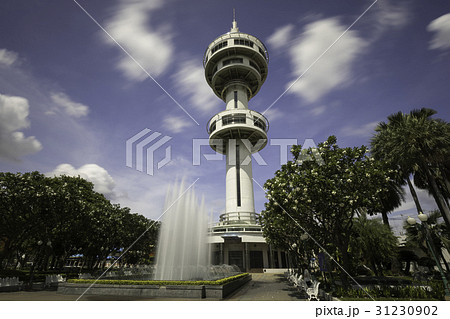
(236, 66)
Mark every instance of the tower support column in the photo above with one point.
(240, 204)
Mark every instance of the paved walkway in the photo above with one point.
(262, 287)
(266, 287)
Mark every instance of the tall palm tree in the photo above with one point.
(391, 199)
(415, 142)
(386, 146)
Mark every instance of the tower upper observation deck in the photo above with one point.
(236, 58)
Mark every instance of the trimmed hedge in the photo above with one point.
(159, 282)
(436, 292)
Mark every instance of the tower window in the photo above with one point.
(235, 99)
(232, 61)
(243, 42)
(259, 123)
(233, 119)
(212, 128)
(262, 52)
(219, 46)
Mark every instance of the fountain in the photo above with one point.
(182, 260)
(183, 252)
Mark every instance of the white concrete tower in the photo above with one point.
(236, 68)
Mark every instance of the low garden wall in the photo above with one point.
(217, 289)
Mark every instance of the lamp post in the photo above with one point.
(295, 252)
(424, 228)
(303, 238)
(35, 261)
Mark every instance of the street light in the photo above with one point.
(295, 251)
(424, 228)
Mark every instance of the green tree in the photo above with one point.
(323, 197)
(47, 219)
(415, 143)
(374, 243)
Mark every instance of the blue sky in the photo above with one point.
(70, 96)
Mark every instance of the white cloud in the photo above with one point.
(441, 29)
(146, 195)
(362, 130)
(14, 112)
(177, 124)
(103, 182)
(390, 15)
(190, 81)
(68, 106)
(273, 114)
(318, 110)
(333, 69)
(151, 48)
(7, 57)
(281, 36)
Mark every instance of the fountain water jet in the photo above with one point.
(183, 252)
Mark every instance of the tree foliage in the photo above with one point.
(417, 144)
(324, 197)
(61, 216)
(373, 242)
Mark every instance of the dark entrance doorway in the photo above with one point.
(256, 259)
(235, 257)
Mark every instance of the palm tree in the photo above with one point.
(440, 173)
(392, 197)
(414, 142)
(374, 242)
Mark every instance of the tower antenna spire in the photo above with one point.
(235, 27)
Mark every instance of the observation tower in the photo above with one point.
(236, 66)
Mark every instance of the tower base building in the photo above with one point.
(242, 244)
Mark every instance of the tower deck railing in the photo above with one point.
(236, 35)
(229, 117)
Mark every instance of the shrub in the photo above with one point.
(159, 282)
(394, 292)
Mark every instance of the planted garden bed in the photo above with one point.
(214, 289)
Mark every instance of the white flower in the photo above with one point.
(349, 180)
(333, 192)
